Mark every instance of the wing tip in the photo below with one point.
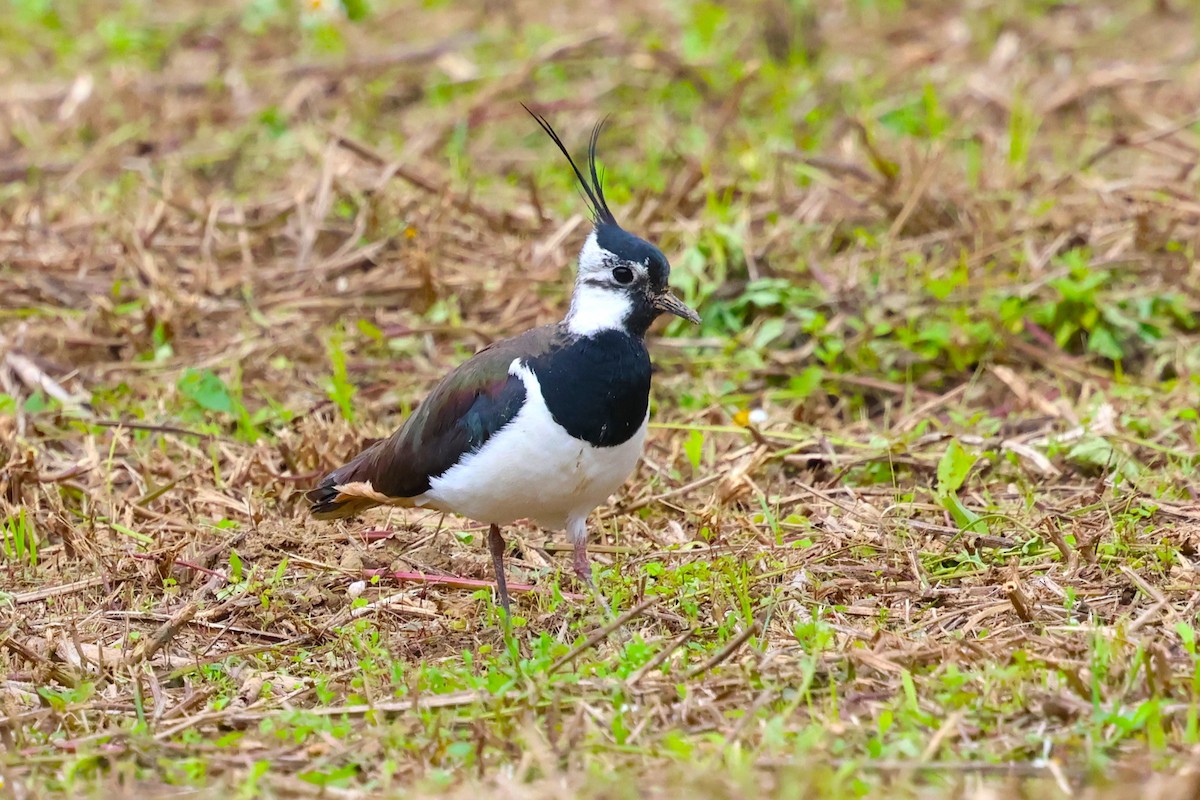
(335, 499)
(325, 501)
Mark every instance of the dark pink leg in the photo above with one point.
(583, 567)
(496, 545)
(577, 530)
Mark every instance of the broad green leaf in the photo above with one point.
(964, 518)
(1092, 451)
(1099, 453)
(206, 390)
(806, 382)
(770, 330)
(1103, 342)
(954, 467)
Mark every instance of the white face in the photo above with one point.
(604, 290)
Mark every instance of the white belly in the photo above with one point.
(533, 468)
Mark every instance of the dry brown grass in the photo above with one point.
(814, 619)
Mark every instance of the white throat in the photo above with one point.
(597, 308)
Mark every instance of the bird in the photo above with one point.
(545, 425)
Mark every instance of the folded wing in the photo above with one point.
(462, 412)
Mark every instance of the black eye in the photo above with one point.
(623, 275)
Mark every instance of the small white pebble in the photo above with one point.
(356, 588)
(757, 416)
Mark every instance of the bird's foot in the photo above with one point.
(583, 567)
(583, 571)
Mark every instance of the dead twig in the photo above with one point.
(601, 633)
(725, 652)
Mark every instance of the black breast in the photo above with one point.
(597, 387)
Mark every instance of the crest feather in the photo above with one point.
(594, 191)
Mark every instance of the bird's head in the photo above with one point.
(623, 281)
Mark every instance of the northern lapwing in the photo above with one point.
(545, 425)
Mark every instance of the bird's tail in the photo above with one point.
(328, 502)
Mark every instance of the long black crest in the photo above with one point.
(594, 191)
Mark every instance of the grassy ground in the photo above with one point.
(917, 514)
